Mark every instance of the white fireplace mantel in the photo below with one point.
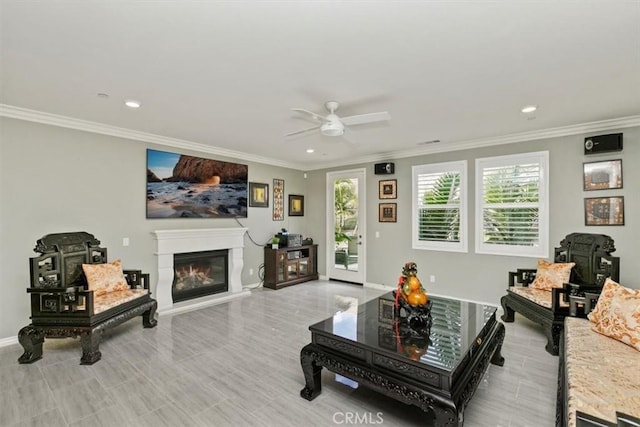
(170, 242)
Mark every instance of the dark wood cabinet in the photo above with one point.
(290, 266)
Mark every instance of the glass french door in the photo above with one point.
(346, 225)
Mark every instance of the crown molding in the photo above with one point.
(100, 128)
(598, 126)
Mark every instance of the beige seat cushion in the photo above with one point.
(603, 375)
(109, 300)
(539, 296)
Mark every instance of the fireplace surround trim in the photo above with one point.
(170, 242)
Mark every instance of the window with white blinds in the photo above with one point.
(439, 214)
(512, 205)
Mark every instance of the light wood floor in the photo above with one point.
(237, 364)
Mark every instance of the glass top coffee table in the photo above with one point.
(438, 371)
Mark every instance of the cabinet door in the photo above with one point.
(281, 260)
(292, 270)
(303, 267)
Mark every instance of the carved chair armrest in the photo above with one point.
(586, 302)
(555, 298)
(524, 276)
(61, 300)
(580, 289)
(136, 279)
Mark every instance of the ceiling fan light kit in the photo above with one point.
(333, 125)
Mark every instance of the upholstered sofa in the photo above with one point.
(599, 369)
(581, 263)
(76, 292)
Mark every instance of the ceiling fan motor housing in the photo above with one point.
(332, 128)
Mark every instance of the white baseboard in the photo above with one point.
(4, 342)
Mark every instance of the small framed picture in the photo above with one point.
(258, 195)
(387, 212)
(385, 310)
(278, 199)
(387, 189)
(604, 175)
(604, 211)
(296, 205)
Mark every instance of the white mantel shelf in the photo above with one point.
(170, 242)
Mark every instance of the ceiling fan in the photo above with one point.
(332, 125)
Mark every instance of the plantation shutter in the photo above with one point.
(511, 200)
(439, 213)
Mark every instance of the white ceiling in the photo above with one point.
(226, 74)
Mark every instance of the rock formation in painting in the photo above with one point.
(152, 177)
(206, 171)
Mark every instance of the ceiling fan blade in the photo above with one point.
(317, 117)
(350, 136)
(298, 132)
(361, 119)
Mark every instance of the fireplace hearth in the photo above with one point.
(198, 274)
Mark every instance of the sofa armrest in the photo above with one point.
(523, 276)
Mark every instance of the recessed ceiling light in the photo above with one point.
(529, 109)
(310, 150)
(132, 103)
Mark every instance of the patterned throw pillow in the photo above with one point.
(552, 275)
(103, 278)
(617, 314)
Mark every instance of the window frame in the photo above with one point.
(461, 167)
(536, 251)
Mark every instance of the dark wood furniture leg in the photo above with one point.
(312, 372)
(31, 339)
(148, 317)
(90, 342)
(508, 314)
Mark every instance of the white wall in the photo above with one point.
(57, 180)
(484, 277)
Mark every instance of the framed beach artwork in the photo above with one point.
(181, 186)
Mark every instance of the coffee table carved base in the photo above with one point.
(447, 408)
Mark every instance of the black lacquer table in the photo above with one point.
(439, 372)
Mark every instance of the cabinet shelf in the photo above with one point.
(290, 266)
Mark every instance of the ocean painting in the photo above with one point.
(180, 186)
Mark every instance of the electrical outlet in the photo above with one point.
(251, 272)
(125, 241)
(377, 234)
(432, 278)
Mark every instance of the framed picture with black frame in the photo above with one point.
(387, 189)
(604, 210)
(602, 175)
(387, 212)
(258, 195)
(296, 205)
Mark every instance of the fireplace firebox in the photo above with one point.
(198, 274)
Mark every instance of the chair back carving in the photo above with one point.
(592, 256)
(61, 257)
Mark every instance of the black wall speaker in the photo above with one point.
(384, 168)
(603, 143)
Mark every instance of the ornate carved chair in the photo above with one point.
(64, 303)
(591, 254)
